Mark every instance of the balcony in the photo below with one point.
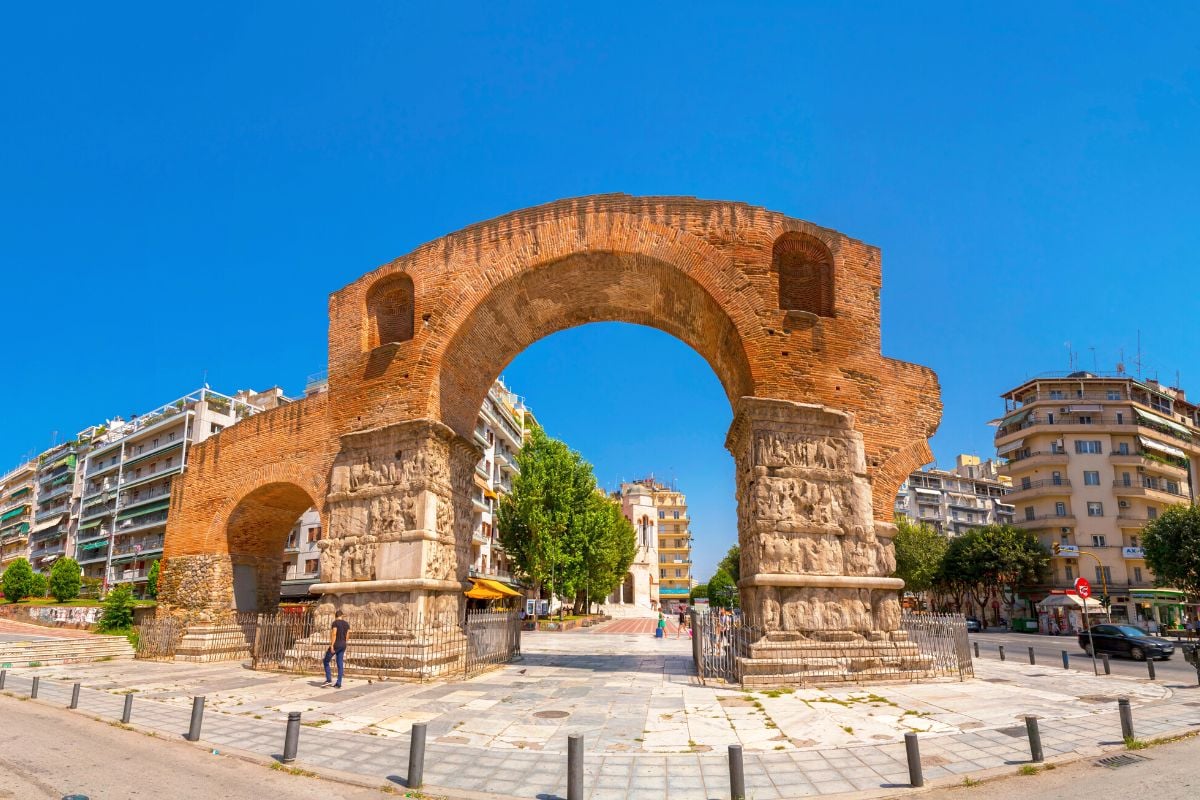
(131, 575)
(140, 523)
(129, 480)
(1040, 458)
(1131, 520)
(143, 497)
(1151, 489)
(1042, 488)
(52, 512)
(1044, 521)
(59, 491)
(92, 556)
(1145, 461)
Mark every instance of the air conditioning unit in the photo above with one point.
(1064, 411)
(1123, 503)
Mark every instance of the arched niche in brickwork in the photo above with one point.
(391, 310)
(805, 271)
(573, 291)
(256, 532)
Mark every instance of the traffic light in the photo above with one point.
(1057, 548)
(1104, 601)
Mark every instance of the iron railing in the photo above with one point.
(732, 649)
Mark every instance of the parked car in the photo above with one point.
(1125, 640)
(974, 625)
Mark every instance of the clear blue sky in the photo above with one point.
(207, 174)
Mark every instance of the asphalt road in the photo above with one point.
(1169, 773)
(1048, 650)
(50, 753)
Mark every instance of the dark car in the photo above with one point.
(974, 625)
(1125, 640)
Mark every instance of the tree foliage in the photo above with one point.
(731, 563)
(722, 590)
(559, 531)
(18, 580)
(699, 590)
(1172, 546)
(919, 553)
(993, 562)
(152, 581)
(118, 610)
(39, 586)
(65, 580)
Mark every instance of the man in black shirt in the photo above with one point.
(339, 633)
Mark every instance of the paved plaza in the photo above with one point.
(651, 729)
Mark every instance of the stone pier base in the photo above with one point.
(782, 658)
(412, 655)
(215, 643)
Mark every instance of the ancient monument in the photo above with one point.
(787, 314)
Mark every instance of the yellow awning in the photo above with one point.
(489, 590)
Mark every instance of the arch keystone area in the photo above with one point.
(785, 312)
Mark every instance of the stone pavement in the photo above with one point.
(651, 730)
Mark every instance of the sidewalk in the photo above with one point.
(651, 731)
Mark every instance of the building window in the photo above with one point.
(1120, 418)
(678, 572)
(662, 573)
(1060, 509)
(662, 515)
(1056, 478)
(1103, 575)
(171, 436)
(1137, 574)
(1026, 483)
(313, 535)
(154, 444)
(310, 565)
(1070, 573)
(1029, 515)
(1085, 420)
(1126, 480)
(1123, 448)
(1088, 446)
(676, 513)
(1095, 509)
(1113, 394)
(1056, 394)
(805, 269)
(1098, 540)
(1151, 512)
(1091, 478)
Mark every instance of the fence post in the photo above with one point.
(1035, 739)
(1107, 666)
(1066, 660)
(1150, 667)
(1001, 652)
(1126, 718)
(74, 696)
(416, 756)
(575, 766)
(912, 749)
(33, 690)
(291, 737)
(128, 710)
(193, 734)
(737, 773)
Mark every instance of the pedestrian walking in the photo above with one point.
(682, 622)
(339, 634)
(661, 627)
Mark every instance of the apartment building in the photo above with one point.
(125, 478)
(56, 494)
(1092, 459)
(16, 512)
(674, 547)
(638, 594)
(971, 495)
(301, 557)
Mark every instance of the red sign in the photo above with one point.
(1083, 588)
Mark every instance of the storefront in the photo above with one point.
(1164, 607)
(1063, 613)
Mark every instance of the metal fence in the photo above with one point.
(396, 645)
(733, 649)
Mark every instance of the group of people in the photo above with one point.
(683, 624)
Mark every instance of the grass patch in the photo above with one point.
(1132, 743)
(1029, 769)
(775, 693)
(319, 722)
(35, 663)
(968, 782)
(304, 773)
(848, 729)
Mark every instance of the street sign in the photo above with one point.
(1083, 588)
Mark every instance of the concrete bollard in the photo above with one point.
(1001, 652)
(291, 737)
(1150, 667)
(575, 766)
(913, 751)
(33, 690)
(1035, 740)
(1032, 660)
(127, 712)
(416, 756)
(976, 648)
(737, 773)
(1126, 718)
(1107, 666)
(1066, 660)
(193, 734)
(3, 677)
(74, 696)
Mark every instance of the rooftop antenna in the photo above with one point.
(1095, 366)
(1070, 356)
(1137, 361)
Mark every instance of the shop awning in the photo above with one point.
(1171, 596)
(1014, 418)
(16, 512)
(151, 456)
(1010, 447)
(96, 545)
(161, 505)
(50, 523)
(92, 524)
(19, 492)
(489, 590)
(1068, 601)
(930, 492)
(1155, 419)
(1166, 449)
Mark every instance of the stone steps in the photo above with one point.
(64, 651)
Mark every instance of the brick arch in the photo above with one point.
(607, 286)
(893, 472)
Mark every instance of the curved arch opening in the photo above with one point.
(805, 269)
(391, 308)
(257, 533)
(575, 291)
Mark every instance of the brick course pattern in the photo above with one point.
(461, 307)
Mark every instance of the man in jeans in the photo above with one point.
(339, 633)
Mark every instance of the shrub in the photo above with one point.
(118, 610)
(38, 586)
(18, 580)
(65, 580)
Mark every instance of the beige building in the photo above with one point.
(1092, 459)
(674, 546)
(16, 512)
(638, 593)
(971, 495)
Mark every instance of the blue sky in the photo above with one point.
(211, 173)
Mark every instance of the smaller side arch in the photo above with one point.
(256, 531)
(805, 270)
(886, 481)
(391, 310)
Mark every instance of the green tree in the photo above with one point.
(731, 564)
(699, 590)
(722, 590)
(39, 585)
(997, 561)
(152, 581)
(65, 579)
(601, 544)
(117, 616)
(18, 580)
(1172, 545)
(548, 503)
(919, 553)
